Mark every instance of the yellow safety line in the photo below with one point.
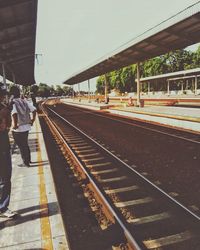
(44, 216)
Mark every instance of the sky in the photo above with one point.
(72, 34)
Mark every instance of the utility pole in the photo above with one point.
(88, 90)
(138, 84)
(106, 88)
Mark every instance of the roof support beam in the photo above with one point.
(18, 50)
(10, 3)
(20, 58)
(163, 47)
(9, 56)
(6, 42)
(6, 27)
(183, 36)
(145, 54)
(197, 17)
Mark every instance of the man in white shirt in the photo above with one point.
(22, 123)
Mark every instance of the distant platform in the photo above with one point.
(186, 118)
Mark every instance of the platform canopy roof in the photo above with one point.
(177, 32)
(17, 39)
(177, 74)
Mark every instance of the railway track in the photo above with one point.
(169, 157)
(181, 134)
(148, 217)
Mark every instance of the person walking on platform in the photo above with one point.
(22, 123)
(5, 158)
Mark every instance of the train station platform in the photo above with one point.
(186, 118)
(38, 224)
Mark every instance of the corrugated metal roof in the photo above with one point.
(176, 32)
(17, 39)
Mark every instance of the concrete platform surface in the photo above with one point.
(179, 117)
(39, 224)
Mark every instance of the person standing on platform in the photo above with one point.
(33, 100)
(5, 157)
(22, 123)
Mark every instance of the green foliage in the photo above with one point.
(100, 84)
(196, 57)
(123, 80)
(179, 60)
(67, 90)
(115, 80)
(127, 79)
(59, 91)
(34, 89)
(44, 90)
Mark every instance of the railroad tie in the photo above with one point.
(78, 144)
(88, 155)
(76, 141)
(85, 150)
(168, 240)
(121, 190)
(76, 147)
(93, 159)
(105, 171)
(98, 165)
(148, 219)
(133, 202)
(113, 179)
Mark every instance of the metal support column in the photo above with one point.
(88, 90)
(182, 90)
(138, 84)
(73, 91)
(187, 83)
(106, 88)
(79, 91)
(148, 88)
(167, 87)
(195, 85)
(192, 85)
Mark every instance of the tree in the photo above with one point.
(128, 79)
(59, 91)
(179, 60)
(100, 85)
(34, 89)
(115, 80)
(44, 90)
(124, 79)
(153, 67)
(67, 90)
(196, 58)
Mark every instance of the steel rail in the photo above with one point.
(146, 128)
(133, 170)
(128, 235)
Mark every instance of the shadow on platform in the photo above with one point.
(38, 214)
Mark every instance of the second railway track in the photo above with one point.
(149, 218)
